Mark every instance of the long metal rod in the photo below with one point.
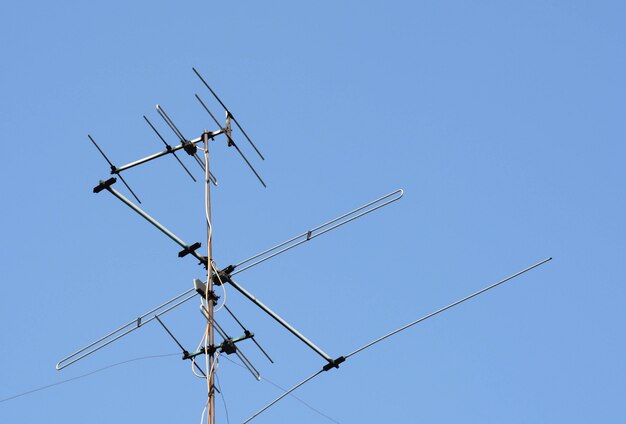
(278, 319)
(342, 359)
(165, 152)
(315, 232)
(306, 380)
(438, 311)
(138, 322)
(154, 222)
(229, 112)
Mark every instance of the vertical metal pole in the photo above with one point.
(209, 288)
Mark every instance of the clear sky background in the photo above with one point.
(503, 122)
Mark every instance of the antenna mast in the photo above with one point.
(210, 338)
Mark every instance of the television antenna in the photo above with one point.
(209, 348)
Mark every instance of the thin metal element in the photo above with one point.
(114, 169)
(245, 331)
(116, 334)
(279, 320)
(212, 178)
(208, 111)
(229, 112)
(170, 123)
(199, 161)
(231, 142)
(244, 360)
(306, 380)
(446, 307)
(247, 162)
(100, 150)
(169, 148)
(154, 222)
(320, 229)
(170, 333)
(179, 345)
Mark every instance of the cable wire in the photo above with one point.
(219, 386)
(221, 284)
(58, 383)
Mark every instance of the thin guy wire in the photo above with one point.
(219, 386)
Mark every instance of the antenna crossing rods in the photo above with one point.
(213, 345)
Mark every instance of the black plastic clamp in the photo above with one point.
(223, 276)
(104, 185)
(333, 363)
(189, 147)
(228, 347)
(189, 249)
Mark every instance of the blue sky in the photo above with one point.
(503, 122)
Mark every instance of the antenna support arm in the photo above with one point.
(187, 145)
(187, 249)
